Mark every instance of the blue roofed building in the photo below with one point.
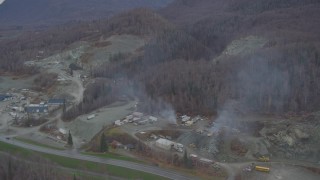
(4, 97)
(56, 102)
(36, 108)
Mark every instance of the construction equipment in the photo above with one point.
(192, 145)
(262, 169)
(264, 159)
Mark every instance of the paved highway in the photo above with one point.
(126, 164)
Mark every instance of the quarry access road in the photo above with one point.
(78, 93)
(278, 168)
(120, 163)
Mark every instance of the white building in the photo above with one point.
(118, 123)
(189, 123)
(15, 108)
(13, 114)
(193, 156)
(137, 114)
(136, 119)
(143, 122)
(62, 131)
(129, 117)
(168, 145)
(185, 118)
(205, 161)
(91, 116)
(153, 119)
(164, 144)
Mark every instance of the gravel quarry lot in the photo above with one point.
(7, 83)
(85, 129)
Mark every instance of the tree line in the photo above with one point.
(13, 168)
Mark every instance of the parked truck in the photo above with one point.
(264, 159)
(91, 116)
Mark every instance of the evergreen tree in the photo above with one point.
(64, 107)
(186, 161)
(10, 171)
(74, 177)
(139, 146)
(176, 159)
(103, 143)
(70, 141)
(185, 158)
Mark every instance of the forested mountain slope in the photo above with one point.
(280, 74)
(201, 54)
(266, 57)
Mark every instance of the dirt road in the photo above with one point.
(77, 92)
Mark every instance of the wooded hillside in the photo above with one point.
(262, 54)
(280, 76)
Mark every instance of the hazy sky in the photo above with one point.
(1, 1)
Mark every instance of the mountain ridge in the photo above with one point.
(35, 12)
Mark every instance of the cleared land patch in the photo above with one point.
(102, 51)
(245, 45)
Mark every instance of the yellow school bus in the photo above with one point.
(262, 169)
